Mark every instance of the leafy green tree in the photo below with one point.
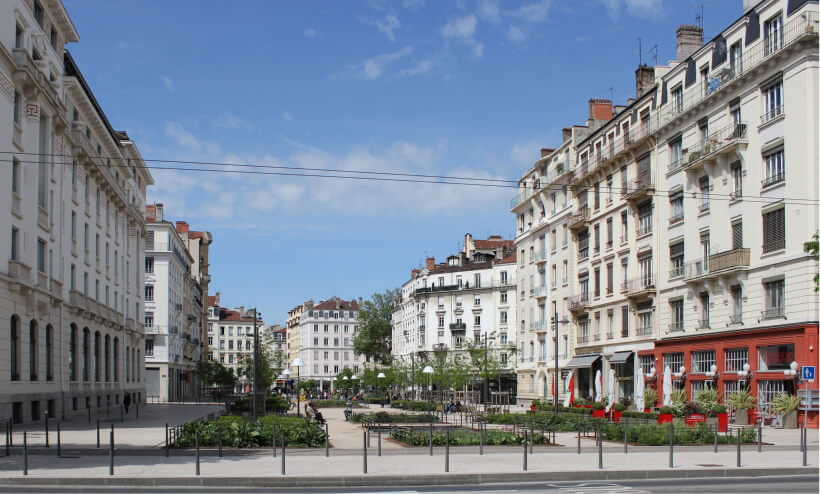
(270, 366)
(813, 249)
(375, 327)
(216, 375)
(308, 384)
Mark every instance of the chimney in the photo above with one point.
(338, 304)
(182, 227)
(748, 4)
(360, 303)
(158, 209)
(216, 299)
(600, 109)
(690, 38)
(566, 134)
(431, 263)
(546, 152)
(414, 273)
(644, 79)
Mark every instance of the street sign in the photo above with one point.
(807, 373)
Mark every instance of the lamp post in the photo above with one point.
(429, 371)
(286, 376)
(353, 385)
(255, 360)
(555, 322)
(745, 375)
(381, 375)
(298, 363)
(486, 376)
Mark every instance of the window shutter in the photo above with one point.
(737, 235)
(774, 230)
(676, 250)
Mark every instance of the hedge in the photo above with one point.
(415, 406)
(242, 432)
(394, 418)
(658, 435)
(462, 438)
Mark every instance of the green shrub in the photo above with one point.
(666, 409)
(598, 406)
(463, 438)
(241, 432)
(650, 397)
(719, 408)
(619, 407)
(691, 408)
(393, 418)
(658, 435)
(785, 403)
(641, 415)
(741, 400)
(329, 403)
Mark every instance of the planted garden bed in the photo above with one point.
(239, 432)
(421, 437)
(393, 418)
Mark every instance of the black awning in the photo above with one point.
(619, 357)
(582, 361)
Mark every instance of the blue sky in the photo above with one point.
(468, 88)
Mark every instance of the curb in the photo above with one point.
(405, 480)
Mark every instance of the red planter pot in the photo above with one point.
(616, 416)
(532, 407)
(723, 422)
(752, 414)
(645, 410)
(587, 406)
(665, 417)
(598, 414)
(695, 418)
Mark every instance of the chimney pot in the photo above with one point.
(690, 39)
(600, 109)
(182, 227)
(431, 263)
(644, 79)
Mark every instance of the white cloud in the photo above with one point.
(648, 9)
(311, 33)
(387, 25)
(413, 4)
(228, 120)
(488, 10)
(169, 83)
(420, 67)
(532, 13)
(374, 67)
(516, 34)
(287, 116)
(182, 137)
(463, 30)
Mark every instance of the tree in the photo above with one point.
(375, 327)
(308, 384)
(216, 375)
(813, 249)
(270, 366)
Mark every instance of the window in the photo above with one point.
(677, 98)
(610, 278)
(41, 255)
(624, 234)
(702, 361)
(773, 34)
(15, 348)
(566, 235)
(737, 305)
(597, 194)
(775, 170)
(674, 154)
(625, 321)
(149, 348)
(597, 238)
(15, 244)
(477, 320)
(775, 303)
(565, 276)
(774, 230)
(775, 357)
(676, 207)
(149, 293)
(149, 264)
(597, 282)
(735, 58)
(441, 321)
(15, 176)
(704, 193)
(676, 260)
(504, 297)
(644, 219)
(477, 300)
(737, 234)
(737, 181)
(676, 310)
(735, 358)
(704, 79)
(704, 310)
(609, 190)
(772, 101)
(673, 361)
(503, 317)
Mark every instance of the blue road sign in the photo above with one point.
(807, 373)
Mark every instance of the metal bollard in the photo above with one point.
(525, 450)
(167, 449)
(59, 445)
(671, 447)
(8, 452)
(25, 454)
(138, 409)
(626, 435)
(380, 442)
(579, 436)
(122, 415)
(431, 439)
(196, 436)
(46, 416)
(327, 442)
(272, 437)
(368, 436)
(805, 445)
(219, 440)
(759, 436)
(481, 440)
(284, 445)
(98, 433)
(716, 439)
(600, 447)
(447, 450)
(739, 434)
(111, 452)
(89, 414)
(364, 452)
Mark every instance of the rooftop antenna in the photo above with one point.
(611, 94)
(640, 53)
(654, 50)
(699, 18)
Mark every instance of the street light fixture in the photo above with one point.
(298, 363)
(256, 314)
(429, 371)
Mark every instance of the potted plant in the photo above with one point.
(786, 405)
(598, 410)
(679, 399)
(666, 414)
(693, 412)
(650, 396)
(741, 401)
(719, 411)
(617, 410)
(534, 405)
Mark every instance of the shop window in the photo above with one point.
(775, 357)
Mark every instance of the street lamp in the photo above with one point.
(713, 374)
(255, 360)
(381, 375)
(298, 363)
(429, 371)
(353, 385)
(555, 322)
(746, 374)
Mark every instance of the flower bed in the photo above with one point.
(333, 403)
(241, 432)
(394, 418)
(462, 438)
(415, 406)
(657, 435)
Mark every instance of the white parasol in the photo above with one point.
(667, 385)
(639, 387)
(599, 385)
(611, 389)
(568, 385)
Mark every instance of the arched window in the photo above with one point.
(107, 350)
(97, 356)
(116, 360)
(86, 353)
(127, 364)
(33, 349)
(15, 348)
(133, 364)
(139, 366)
(72, 353)
(49, 353)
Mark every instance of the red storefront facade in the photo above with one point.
(768, 352)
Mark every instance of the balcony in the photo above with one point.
(736, 319)
(541, 326)
(703, 324)
(723, 141)
(676, 326)
(644, 331)
(541, 256)
(639, 287)
(582, 339)
(541, 291)
(718, 264)
(579, 220)
(458, 326)
(579, 302)
(774, 313)
(20, 271)
(757, 55)
(638, 188)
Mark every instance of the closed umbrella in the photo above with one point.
(667, 385)
(611, 391)
(639, 387)
(599, 385)
(569, 389)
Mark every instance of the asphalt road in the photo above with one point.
(778, 484)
